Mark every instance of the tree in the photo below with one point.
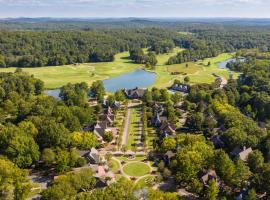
(53, 134)
(187, 79)
(225, 167)
(212, 190)
(48, 157)
(119, 95)
(242, 174)
(23, 151)
(251, 195)
(98, 90)
(176, 97)
(235, 137)
(168, 143)
(255, 161)
(195, 121)
(108, 136)
(84, 141)
(14, 183)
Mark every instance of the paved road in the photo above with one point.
(127, 121)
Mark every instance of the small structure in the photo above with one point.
(206, 177)
(135, 93)
(241, 153)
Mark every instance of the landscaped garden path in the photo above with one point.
(127, 121)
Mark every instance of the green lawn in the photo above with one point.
(133, 129)
(114, 166)
(136, 169)
(57, 76)
(147, 181)
(199, 72)
(151, 136)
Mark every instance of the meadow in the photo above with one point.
(199, 72)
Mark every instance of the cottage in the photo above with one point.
(217, 141)
(115, 104)
(135, 93)
(168, 156)
(167, 129)
(158, 120)
(108, 118)
(93, 156)
(241, 153)
(206, 177)
(100, 129)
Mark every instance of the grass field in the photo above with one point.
(114, 166)
(133, 129)
(199, 72)
(136, 169)
(57, 76)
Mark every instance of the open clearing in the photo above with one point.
(136, 169)
(199, 72)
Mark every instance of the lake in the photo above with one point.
(139, 78)
(224, 63)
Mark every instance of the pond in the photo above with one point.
(139, 78)
(223, 64)
(53, 93)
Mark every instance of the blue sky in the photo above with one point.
(135, 8)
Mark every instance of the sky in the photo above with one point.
(135, 8)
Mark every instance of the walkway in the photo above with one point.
(127, 121)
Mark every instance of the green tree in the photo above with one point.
(108, 136)
(98, 90)
(14, 183)
(168, 143)
(48, 156)
(255, 161)
(23, 150)
(251, 195)
(212, 190)
(225, 167)
(187, 79)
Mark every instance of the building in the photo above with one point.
(93, 156)
(158, 120)
(167, 129)
(241, 153)
(207, 176)
(181, 87)
(100, 129)
(135, 93)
